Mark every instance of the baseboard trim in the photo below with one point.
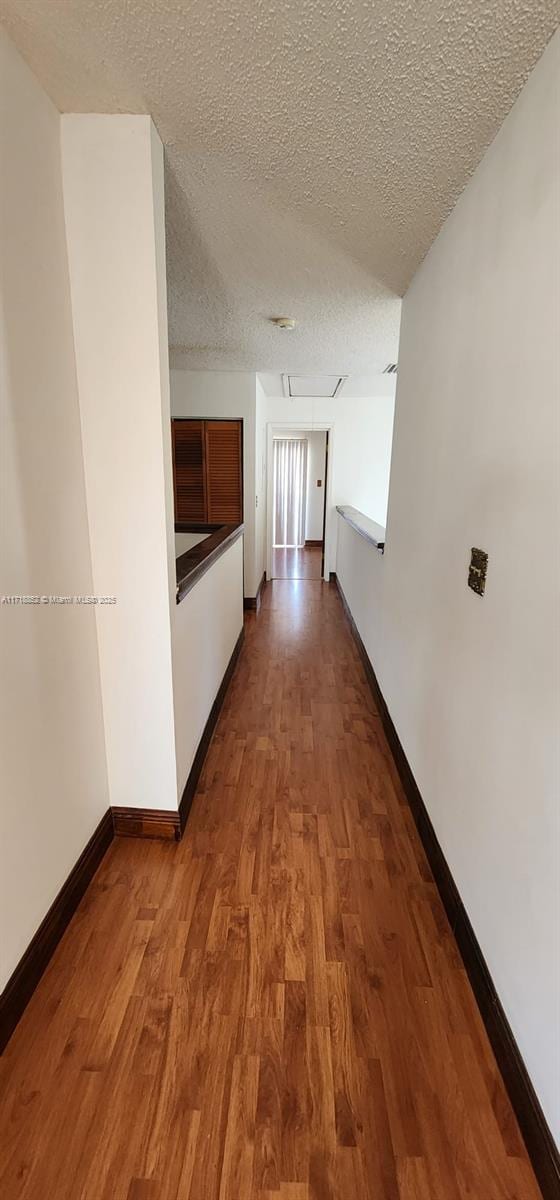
(253, 603)
(313, 541)
(147, 823)
(540, 1144)
(202, 749)
(21, 985)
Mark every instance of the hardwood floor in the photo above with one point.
(274, 1009)
(297, 564)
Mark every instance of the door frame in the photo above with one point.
(325, 486)
(278, 429)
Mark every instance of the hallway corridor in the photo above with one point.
(275, 1008)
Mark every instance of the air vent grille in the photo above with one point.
(390, 369)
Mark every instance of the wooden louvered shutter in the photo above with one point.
(188, 471)
(223, 471)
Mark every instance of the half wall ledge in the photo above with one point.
(368, 529)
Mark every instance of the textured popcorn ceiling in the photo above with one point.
(313, 149)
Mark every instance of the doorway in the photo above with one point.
(299, 466)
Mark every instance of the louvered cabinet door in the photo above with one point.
(223, 472)
(188, 471)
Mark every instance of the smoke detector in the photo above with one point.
(284, 322)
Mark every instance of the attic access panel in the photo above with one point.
(313, 385)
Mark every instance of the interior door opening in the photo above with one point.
(299, 464)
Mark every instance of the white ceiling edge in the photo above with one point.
(175, 364)
(355, 387)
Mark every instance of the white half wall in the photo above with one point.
(186, 541)
(206, 626)
(53, 780)
(473, 684)
(361, 571)
(113, 196)
(228, 395)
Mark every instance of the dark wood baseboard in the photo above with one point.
(147, 823)
(253, 603)
(313, 541)
(22, 984)
(540, 1144)
(202, 749)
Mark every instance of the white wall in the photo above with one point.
(53, 773)
(206, 626)
(472, 684)
(315, 495)
(227, 395)
(260, 481)
(362, 460)
(113, 195)
(186, 541)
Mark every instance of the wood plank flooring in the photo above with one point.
(304, 563)
(275, 1009)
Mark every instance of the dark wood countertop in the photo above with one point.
(195, 562)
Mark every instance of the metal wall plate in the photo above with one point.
(477, 570)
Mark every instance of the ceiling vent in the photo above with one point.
(313, 385)
(390, 369)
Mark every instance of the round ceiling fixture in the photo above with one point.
(284, 322)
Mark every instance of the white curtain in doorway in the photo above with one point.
(290, 487)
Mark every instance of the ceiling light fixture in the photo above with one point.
(284, 322)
